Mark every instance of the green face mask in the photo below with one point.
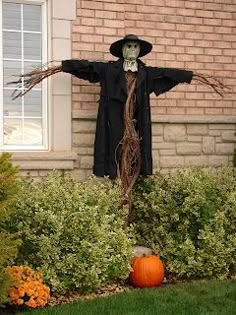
(131, 50)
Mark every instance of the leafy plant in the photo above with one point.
(73, 232)
(9, 242)
(189, 219)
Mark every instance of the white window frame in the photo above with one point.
(45, 110)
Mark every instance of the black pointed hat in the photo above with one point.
(116, 47)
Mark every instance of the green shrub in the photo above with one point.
(9, 188)
(73, 232)
(189, 219)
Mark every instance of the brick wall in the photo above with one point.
(196, 35)
(191, 124)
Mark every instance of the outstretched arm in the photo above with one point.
(82, 69)
(164, 79)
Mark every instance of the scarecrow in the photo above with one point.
(123, 132)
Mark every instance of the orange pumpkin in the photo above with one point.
(148, 271)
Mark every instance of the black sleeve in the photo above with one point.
(164, 79)
(84, 69)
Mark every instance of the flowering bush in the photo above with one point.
(28, 287)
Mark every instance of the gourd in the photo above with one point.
(148, 271)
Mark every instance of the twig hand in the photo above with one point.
(211, 81)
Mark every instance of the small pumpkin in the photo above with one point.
(148, 271)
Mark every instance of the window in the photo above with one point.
(23, 121)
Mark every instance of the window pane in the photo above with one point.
(11, 108)
(12, 45)
(32, 46)
(30, 66)
(33, 132)
(22, 131)
(10, 71)
(13, 131)
(33, 101)
(11, 16)
(32, 18)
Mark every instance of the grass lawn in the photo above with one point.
(196, 298)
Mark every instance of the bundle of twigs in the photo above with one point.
(130, 152)
(209, 80)
(28, 80)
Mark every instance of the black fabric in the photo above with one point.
(113, 94)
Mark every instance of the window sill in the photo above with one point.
(45, 160)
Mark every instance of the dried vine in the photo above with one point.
(29, 80)
(211, 81)
(130, 150)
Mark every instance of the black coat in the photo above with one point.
(113, 95)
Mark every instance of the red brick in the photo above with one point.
(195, 111)
(213, 51)
(216, 22)
(106, 14)
(193, 20)
(91, 21)
(83, 29)
(160, 3)
(194, 35)
(102, 47)
(94, 5)
(223, 30)
(185, 57)
(130, 7)
(184, 27)
(203, 43)
(222, 15)
(175, 50)
(174, 18)
(86, 13)
(204, 58)
(113, 7)
(83, 46)
(214, 111)
(114, 23)
(185, 42)
(229, 111)
(193, 5)
(195, 50)
(224, 59)
(134, 16)
(185, 12)
(146, 9)
(105, 30)
(91, 38)
(213, 6)
(203, 13)
(174, 34)
(205, 28)
(175, 3)
(212, 37)
(176, 110)
(160, 110)
(83, 97)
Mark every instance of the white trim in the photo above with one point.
(43, 89)
(21, 31)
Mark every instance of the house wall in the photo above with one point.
(191, 124)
